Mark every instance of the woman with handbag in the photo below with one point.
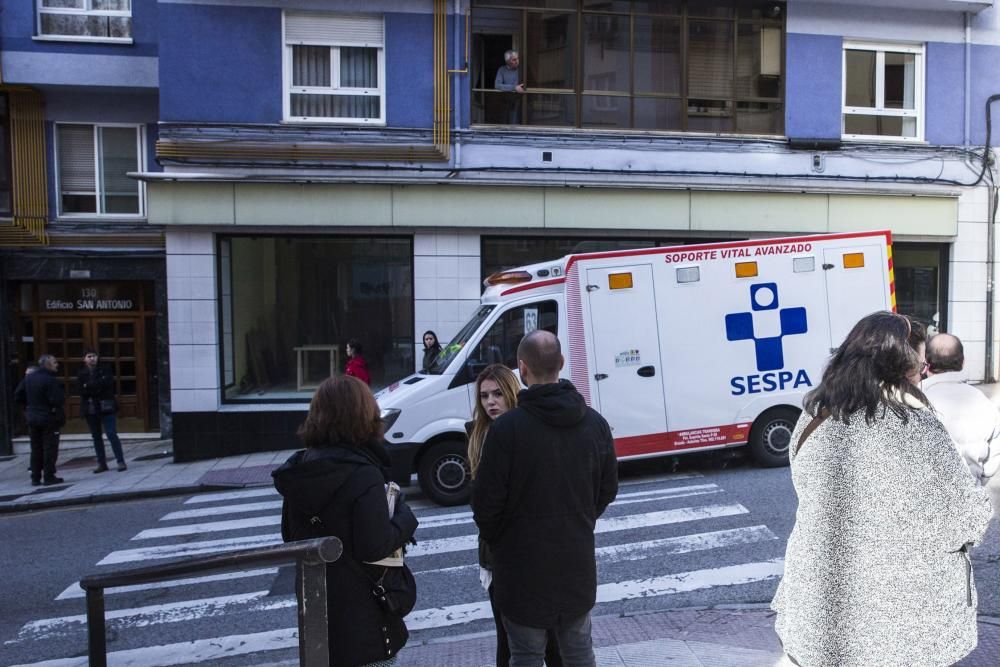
(338, 487)
(96, 385)
(877, 570)
(496, 389)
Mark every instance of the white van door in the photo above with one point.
(626, 349)
(855, 286)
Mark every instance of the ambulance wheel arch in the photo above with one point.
(771, 435)
(443, 469)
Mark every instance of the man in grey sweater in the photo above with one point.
(509, 80)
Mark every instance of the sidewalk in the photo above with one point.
(723, 636)
(151, 472)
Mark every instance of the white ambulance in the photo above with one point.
(681, 349)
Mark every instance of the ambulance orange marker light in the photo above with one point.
(508, 278)
(620, 280)
(854, 260)
(746, 269)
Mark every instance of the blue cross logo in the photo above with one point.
(739, 326)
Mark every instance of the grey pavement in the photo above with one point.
(721, 636)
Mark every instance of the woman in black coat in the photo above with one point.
(432, 349)
(337, 486)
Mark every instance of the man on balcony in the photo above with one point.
(509, 80)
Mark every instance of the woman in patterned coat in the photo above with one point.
(877, 570)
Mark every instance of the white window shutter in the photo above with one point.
(306, 28)
(76, 158)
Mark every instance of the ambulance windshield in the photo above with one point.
(451, 350)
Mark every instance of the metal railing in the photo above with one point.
(310, 556)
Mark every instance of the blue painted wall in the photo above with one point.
(985, 82)
(409, 65)
(945, 97)
(220, 64)
(813, 93)
(17, 27)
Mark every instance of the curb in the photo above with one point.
(103, 498)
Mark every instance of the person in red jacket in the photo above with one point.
(356, 365)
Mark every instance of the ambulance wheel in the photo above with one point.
(444, 473)
(771, 436)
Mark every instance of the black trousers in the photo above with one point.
(552, 658)
(44, 451)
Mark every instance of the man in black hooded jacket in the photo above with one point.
(548, 472)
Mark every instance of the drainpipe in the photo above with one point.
(991, 212)
(457, 88)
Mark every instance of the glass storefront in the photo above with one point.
(290, 304)
(922, 282)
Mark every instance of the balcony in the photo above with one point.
(973, 6)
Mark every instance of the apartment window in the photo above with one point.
(99, 20)
(94, 162)
(883, 91)
(696, 66)
(334, 68)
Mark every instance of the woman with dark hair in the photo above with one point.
(877, 570)
(356, 364)
(496, 391)
(337, 487)
(432, 348)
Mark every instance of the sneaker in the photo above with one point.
(122, 467)
(102, 467)
(53, 480)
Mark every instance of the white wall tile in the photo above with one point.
(468, 269)
(181, 377)
(970, 244)
(180, 333)
(204, 310)
(201, 243)
(204, 333)
(447, 243)
(972, 212)
(975, 360)
(205, 356)
(424, 266)
(176, 241)
(469, 245)
(979, 195)
(202, 288)
(178, 310)
(202, 266)
(446, 266)
(967, 311)
(179, 265)
(206, 399)
(178, 287)
(425, 288)
(206, 378)
(425, 310)
(967, 331)
(446, 288)
(181, 356)
(447, 311)
(183, 400)
(424, 244)
(469, 289)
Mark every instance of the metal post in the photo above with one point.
(314, 650)
(96, 636)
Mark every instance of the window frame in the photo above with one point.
(87, 11)
(287, 89)
(919, 90)
(98, 172)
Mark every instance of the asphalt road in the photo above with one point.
(711, 532)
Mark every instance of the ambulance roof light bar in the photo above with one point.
(507, 278)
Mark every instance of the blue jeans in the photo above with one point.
(109, 422)
(527, 645)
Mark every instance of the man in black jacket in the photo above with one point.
(548, 472)
(96, 385)
(42, 395)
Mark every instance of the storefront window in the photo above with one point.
(920, 273)
(290, 304)
(5, 170)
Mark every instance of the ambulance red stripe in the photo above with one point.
(664, 443)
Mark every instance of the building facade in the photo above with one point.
(80, 267)
(327, 170)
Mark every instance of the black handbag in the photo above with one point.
(395, 591)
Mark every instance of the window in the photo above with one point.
(334, 69)
(693, 66)
(81, 20)
(94, 162)
(883, 91)
(5, 164)
(289, 304)
(499, 344)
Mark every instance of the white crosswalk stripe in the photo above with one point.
(656, 529)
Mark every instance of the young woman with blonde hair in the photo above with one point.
(496, 393)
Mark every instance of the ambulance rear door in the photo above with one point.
(856, 285)
(625, 349)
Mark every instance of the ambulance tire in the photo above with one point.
(771, 436)
(444, 473)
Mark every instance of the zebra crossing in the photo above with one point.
(668, 540)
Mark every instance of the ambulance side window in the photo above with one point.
(499, 344)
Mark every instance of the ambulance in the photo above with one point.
(681, 349)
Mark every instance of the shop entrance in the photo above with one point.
(65, 319)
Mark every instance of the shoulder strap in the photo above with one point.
(813, 425)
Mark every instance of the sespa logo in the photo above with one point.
(769, 351)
